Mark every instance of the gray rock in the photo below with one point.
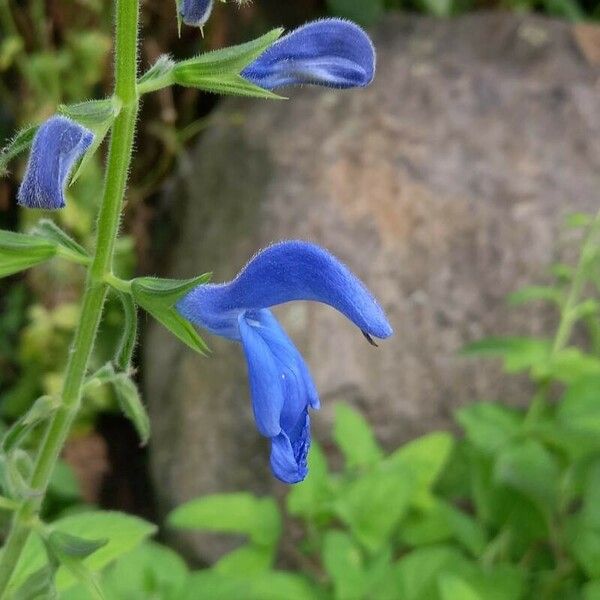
(443, 186)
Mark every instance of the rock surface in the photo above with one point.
(443, 186)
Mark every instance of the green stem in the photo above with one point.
(119, 158)
(568, 314)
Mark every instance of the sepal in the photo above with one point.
(97, 116)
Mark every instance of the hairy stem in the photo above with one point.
(119, 157)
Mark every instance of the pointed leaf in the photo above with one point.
(231, 60)
(129, 336)
(41, 410)
(105, 374)
(51, 231)
(132, 406)
(159, 75)
(167, 290)
(355, 438)
(233, 85)
(74, 546)
(19, 251)
(38, 586)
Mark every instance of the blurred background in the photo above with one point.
(445, 186)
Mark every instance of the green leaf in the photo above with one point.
(98, 116)
(19, 251)
(71, 545)
(167, 291)
(38, 586)
(159, 75)
(82, 574)
(105, 374)
(364, 505)
(40, 411)
(425, 458)
(132, 406)
(418, 571)
(90, 113)
(148, 571)
(591, 590)
(489, 426)
(157, 297)
(519, 353)
(17, 467)
(225, 61)
(21, 142)
(124, 532)
(275, 585)
(343, 562)
(258, 518)
(247, 560)
(355, 438)
(579, 408)
(568, 365)
(228, 84)
(129, 336)
(441, 522)
(454, 588)
(529, 468)
(48, 229)
(312, 497)
(584, 543)
(535, 293)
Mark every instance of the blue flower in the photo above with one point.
(281, 386)
(58, 144)
(330, 52)
(196, 12)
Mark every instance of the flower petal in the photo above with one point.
(289, 454)
(264, 375)
(291, 270)
(58, 144)
(330, 52)
(196, 12)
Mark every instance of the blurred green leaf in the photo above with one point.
(579, 408)
(343, 562)
(247, 560)
(258, 518)
(518, 353)
(42, 409)
(276, 585)
(355, 438)
(124, 533)
(38, 586)
(312, 497)
(489, 426)
(364, 505)
(424, 458)
(19, 251)
(534, 293)
(454, 588)
(529, 468)
(51, 231)
(71, 545)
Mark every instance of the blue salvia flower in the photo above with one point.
(196, 12)
(330, 52)
(58, 144)
(281, 386)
